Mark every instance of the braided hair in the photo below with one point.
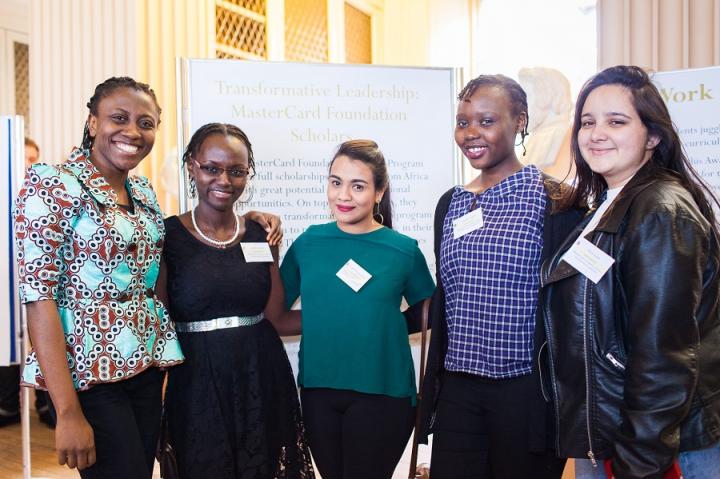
(518, 97)
(105, 89)
(225, 129)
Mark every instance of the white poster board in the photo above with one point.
(295, 115)
(12, 157)
(693, 98)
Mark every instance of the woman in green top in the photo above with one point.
(356, 370)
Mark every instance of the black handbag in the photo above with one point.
(165, 454)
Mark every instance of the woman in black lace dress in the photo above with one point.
(232, 406)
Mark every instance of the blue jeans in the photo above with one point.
(701, 464)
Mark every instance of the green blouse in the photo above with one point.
(355, 340)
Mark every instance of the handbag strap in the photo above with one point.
(418, 409)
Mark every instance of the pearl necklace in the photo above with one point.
(212, 241)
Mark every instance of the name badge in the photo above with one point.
(467, 223)
(353, 275)
(257, 252)
(590, 260)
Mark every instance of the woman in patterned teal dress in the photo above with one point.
(89, 240)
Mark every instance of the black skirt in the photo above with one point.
(233, 409)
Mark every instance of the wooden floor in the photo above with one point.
(44, 463)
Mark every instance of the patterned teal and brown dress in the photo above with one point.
(99, 262)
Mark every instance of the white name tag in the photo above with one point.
(467, 223)
(257, 252)
(590, 260)
(353, 275)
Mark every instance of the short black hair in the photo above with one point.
(518, 97)
(225, 129)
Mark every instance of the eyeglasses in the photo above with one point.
(216, 171)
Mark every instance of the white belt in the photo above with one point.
(218, 323)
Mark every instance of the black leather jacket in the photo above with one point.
(635, 359)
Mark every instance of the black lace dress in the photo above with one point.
(232, 406)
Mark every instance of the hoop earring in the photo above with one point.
(377, 213)
(193, 188)
(522, 142)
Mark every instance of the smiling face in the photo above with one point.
(352, 195)
(216, 168)
(123, 131)
(485, 129)
(612, 139)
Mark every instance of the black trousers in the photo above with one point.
(10, 392)
(356, 435)
(481, 431)
(125, 418)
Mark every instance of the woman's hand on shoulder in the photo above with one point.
(270, 223)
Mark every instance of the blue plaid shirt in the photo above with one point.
(491, 277)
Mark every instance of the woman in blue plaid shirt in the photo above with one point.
(482, 396)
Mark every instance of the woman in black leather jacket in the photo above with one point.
(630, 301)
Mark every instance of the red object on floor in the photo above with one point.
(673, 473)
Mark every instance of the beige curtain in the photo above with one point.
(659, 35)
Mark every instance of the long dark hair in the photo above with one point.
(668, 156)
(106, 88)
(368, 152)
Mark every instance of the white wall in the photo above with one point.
(427, 33)
(13, 28)
(449, 35)
(75, 44)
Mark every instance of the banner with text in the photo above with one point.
(296, 114)
(693, 98)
